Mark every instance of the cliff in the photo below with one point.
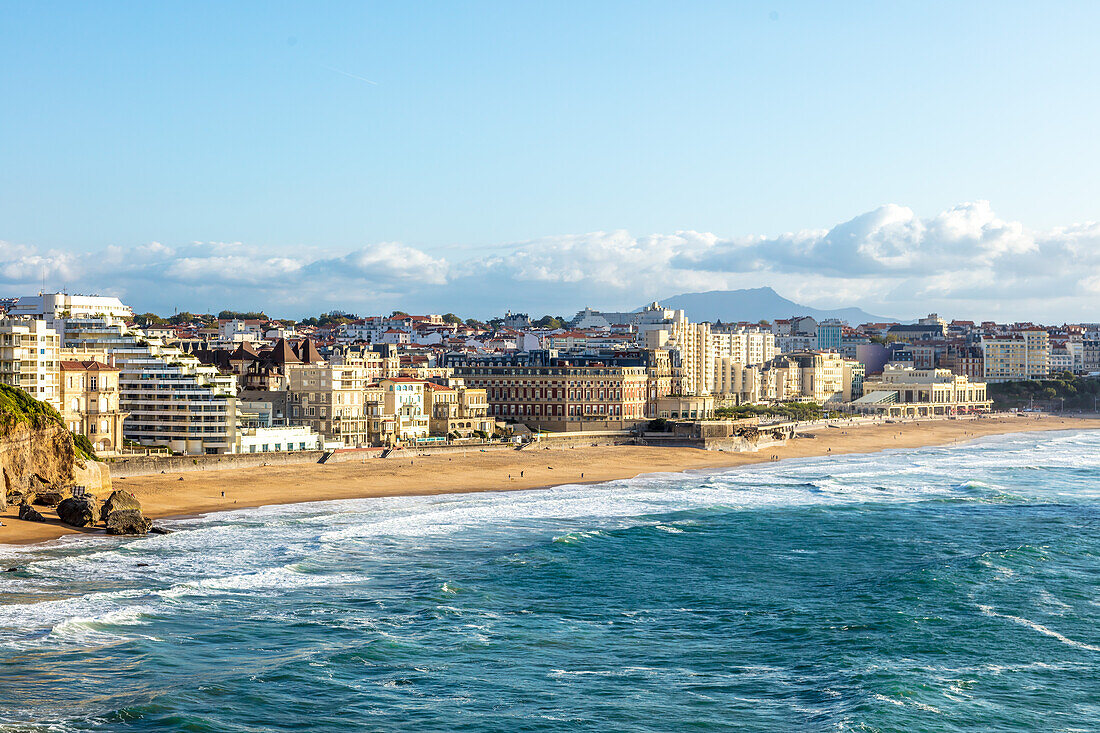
(38, 458)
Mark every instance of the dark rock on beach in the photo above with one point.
(29, 514)
(79, 511)
(127, 521)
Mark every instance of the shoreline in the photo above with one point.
(179, 495)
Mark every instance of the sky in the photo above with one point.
(479, 157)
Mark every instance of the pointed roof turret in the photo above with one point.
(281, 353)
(244, 352)
(308, 352)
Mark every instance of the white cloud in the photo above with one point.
(966, 260)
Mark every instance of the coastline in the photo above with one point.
(176, 495)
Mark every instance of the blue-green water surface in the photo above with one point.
(941, 589)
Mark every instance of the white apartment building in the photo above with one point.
(29, 358)
(172, 399)
(52, 307)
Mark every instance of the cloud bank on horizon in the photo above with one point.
(965, 262)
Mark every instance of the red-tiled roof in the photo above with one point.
(90, 365)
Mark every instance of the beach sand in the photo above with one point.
(165, 495)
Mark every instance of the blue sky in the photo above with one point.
(479, 156)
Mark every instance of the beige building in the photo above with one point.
(1022, 355)
(907, 392)
(405, 401)
(457, 410)
(563, 395)
(822, 376)
(28, 358)
(89, 392)
(331, 400)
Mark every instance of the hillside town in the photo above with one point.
(245, 383)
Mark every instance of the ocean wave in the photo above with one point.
(1035, 626)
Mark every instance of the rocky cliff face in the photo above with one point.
(42, 461)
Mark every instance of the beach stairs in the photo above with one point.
(328, 454)
(386, 453)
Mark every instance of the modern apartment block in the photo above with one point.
(28, 358)
(54, 308)
(172, 400)
(1024, 354)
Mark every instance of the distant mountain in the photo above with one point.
(754, 304)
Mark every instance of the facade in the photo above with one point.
(829, 335)
(28, 358)
(905, 391)
(90, 403)
(460, 411)
(329, 399)
(544, 391)
(55, 307)
(171, 399)
(404, 399)
(1021, 355)
(822, 376)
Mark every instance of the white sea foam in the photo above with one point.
(262, 549)
(988, 611)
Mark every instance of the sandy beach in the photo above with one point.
(166, 495)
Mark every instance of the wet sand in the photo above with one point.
(165, 495)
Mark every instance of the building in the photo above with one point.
(90, 402)
(28, 358)
(567, 393)
(1022, 355)
(55, 307)
(458, 411)
(330, 399)
(261, 431)
(404, 399)
(171, 399)
(908, 392)
(822, 376)
(829, 335)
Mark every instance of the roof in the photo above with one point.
(879, 397)
(244, 351)
(307, 352)
(90, 365)
(281, 353)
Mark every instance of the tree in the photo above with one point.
(149, 319)
(474, 323)
(228, 315)
(549, 322)
(451, 318)
(398, 314)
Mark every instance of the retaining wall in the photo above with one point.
(146, 465)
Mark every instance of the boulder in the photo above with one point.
(29, 514)
(78, 512)
(50, 497)
(120, 501)
(159, 530)
(127, 521)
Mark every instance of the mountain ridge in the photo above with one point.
(755, 304)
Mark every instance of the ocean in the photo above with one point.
(937, 589)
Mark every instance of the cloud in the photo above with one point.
(966, 260)
(385, 264)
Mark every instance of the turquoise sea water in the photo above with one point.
(942, 589)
